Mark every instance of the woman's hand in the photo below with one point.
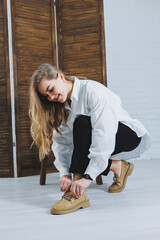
(79, 186)
(65, 183)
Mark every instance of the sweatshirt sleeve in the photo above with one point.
(62, 148)
(104, 127)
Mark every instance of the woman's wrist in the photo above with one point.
(87, 176)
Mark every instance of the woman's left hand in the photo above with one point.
(79, 186)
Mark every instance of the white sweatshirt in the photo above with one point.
(93, 99)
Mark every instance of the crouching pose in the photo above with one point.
(88, 130)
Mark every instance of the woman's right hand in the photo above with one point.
(65, 183)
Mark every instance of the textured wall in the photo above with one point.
(132, 31)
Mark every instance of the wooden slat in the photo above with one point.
(34, 44)
(81, 38)
(6, 156)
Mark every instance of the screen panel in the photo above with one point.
(34, 44)
(6, 152)
(81, 40)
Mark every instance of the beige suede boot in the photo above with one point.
(69, 204)
(120, 182)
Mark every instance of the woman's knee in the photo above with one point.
(82, 121)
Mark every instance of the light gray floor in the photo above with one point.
(131, 214)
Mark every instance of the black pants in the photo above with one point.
(126, 140)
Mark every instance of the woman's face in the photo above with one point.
(56, 90)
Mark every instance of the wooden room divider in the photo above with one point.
(81, 51)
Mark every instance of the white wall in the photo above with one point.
(132, 32)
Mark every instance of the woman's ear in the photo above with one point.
(61, 76)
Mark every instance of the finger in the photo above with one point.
(62, 189)
(68, 188)
(62, 185)
(65, 186)
(81, 191)
(77, 191)
(73, 189)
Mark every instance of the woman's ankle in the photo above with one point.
(116, 167)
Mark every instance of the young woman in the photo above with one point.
(89, 131)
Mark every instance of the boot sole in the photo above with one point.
(128, 173)
(85, 204)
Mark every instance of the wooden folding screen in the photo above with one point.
(80, 27)
(34, 44)
(81, 51)
(6, 159)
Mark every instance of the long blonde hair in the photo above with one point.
(45, 115)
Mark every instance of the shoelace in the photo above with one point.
(68, 197)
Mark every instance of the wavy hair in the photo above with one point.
(45, 115)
